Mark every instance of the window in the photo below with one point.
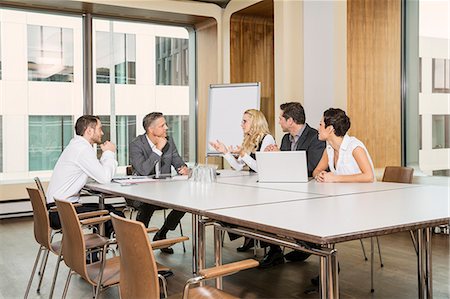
(172, 59)
(179, 131)
(125, 133)
(50, 53)
(48, 136)
(441, 75)
(441, 131)
(427, 84)
(124, 57)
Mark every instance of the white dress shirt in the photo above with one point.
(240, 162)
(346, 163)
(77, 163)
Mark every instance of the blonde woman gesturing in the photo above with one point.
(256, 138)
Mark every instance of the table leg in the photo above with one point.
(194, 243)
(218, 253)
(335, 272)
(428, 261)
(101, 206)
(201, 244)
(371, 265)
(323, 277)
(332, 274)
(420, 274)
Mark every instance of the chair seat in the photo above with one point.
(205, 292)
(56, 247)
(91, 240)
(162, 267)
(111, 273)
(94, 240)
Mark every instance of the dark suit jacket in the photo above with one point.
(308, 142)
(143, 159)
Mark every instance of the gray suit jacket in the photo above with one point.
(308, 142)
(143, 159)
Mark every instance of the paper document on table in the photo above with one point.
(128, 180)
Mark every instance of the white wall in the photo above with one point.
(325, 82)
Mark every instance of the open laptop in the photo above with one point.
(282, 167)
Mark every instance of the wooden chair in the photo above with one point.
(398, 174)
(138, 272)
(43, 235)
(132, 209)
(392, 174)
(100, 275)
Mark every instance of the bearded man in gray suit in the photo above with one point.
(153, 153)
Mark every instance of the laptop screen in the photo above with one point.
(282, 167)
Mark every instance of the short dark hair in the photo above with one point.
(295, 111)
(85, 122)
(338, 119)
(150, 118)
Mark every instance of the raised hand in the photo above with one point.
(219, 146)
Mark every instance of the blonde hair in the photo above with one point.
(258, 129)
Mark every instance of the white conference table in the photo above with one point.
(312, 186)
(196, 198)
(327, 214)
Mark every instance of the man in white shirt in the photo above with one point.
(77, 163)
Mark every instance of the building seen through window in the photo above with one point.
(124, 57)
(50, 53)
(441, 75)
(125, 133)
(172, 59)
(178, 125)
(47, 138)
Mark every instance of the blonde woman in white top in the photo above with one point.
(256, 138)
(346, 157)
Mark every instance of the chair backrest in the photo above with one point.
(39, 184)
(130, 170)
(42, 230)
(138, 270)
(398, 174)
(73, 245)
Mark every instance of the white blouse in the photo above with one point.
(346, 163)
(239, 163)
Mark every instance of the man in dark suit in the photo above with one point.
(153, 153)
(300, 137)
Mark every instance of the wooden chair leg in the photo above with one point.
(55, 275)
(33, 271)
(44, 263)
(164, 284)
(66, 286)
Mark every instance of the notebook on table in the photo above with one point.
(282, 167)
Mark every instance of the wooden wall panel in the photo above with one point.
(373, 73)
(207, 68)
(252, 57)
